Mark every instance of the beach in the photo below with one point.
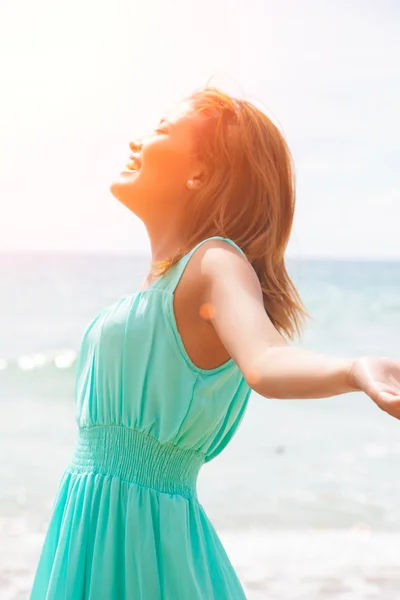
(305, 498)
(309, 565)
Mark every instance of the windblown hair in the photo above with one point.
(249, 197)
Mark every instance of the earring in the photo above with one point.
(190, 183)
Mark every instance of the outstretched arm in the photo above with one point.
(271, 366)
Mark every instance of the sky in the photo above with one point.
(80, 79)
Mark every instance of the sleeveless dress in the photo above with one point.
(126, 522)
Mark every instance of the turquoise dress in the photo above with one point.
(126, 521)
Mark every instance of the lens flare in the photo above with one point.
(207, 311)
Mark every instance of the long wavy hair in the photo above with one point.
(249, 197)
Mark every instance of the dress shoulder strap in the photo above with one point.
(176, 271)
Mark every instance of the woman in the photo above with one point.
(164, 374)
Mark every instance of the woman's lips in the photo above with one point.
(132, 166)
(129, 172)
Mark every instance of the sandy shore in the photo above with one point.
(317, 565)
(284, 565)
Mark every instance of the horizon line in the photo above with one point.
(127, 254)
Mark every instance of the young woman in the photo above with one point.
(164, 374)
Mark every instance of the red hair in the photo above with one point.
(249, 197)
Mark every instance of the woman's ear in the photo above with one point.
(198, 176)
(194, 183)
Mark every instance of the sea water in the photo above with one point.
(306, 498)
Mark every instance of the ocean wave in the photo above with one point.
(56, 359)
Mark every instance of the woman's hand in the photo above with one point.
(379, 378)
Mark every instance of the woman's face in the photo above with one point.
(160, 165)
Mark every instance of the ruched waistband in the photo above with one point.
(137, 457)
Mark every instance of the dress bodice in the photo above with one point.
(133, 371)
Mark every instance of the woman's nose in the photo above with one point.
(135, 145)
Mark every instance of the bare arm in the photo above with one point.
(290, 372)
(271, 366)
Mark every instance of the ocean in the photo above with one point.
(306, 498)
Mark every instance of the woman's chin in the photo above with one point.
(123, 185)
(120, 192)
(115, 189)
(125, 194)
